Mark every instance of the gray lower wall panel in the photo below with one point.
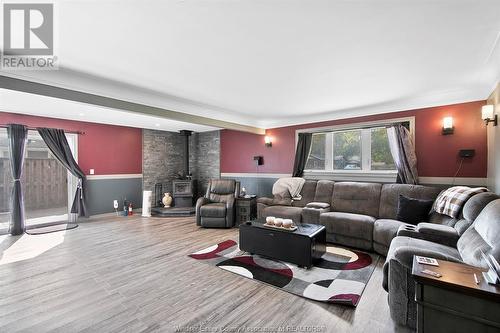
(261, 186)
(102, 192)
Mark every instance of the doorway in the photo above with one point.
(47, 186)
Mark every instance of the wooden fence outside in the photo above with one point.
(44, 184)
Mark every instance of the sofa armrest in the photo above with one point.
(398, 280)
(276, 201)
(408, 230)
(436, 233)
(312, 214)
(265, 201)
(437, 230)
(439, 233)
(403, 256)
(400, 284)
(318, 205)
(200, 202)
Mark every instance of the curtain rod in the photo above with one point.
(34, 129)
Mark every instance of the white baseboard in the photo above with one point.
(137, 211)
(469, 181)
(116, 176)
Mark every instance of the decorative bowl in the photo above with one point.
(270, 220)
(287, 223)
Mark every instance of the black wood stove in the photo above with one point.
(183, 189)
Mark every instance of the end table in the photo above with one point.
(455, 302)
(246, 209)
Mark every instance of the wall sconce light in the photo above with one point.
(268, 141)
(487, 114)
(448, 125)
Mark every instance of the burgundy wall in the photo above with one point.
(105, 148)
(437, 154)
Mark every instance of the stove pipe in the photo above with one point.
(186, 135)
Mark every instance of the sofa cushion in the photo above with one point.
(324, 191)
(348, 241)
(222, 186)
(414, 211)
(482, 236)
(389, 197)
(462, 225)
(476, 204)
(221, 197)
(384, 231)
(214, 209)
(356, 198)
(285, 212)
(347, 224)
(282, 201)
(307, 193)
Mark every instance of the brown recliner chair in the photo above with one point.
(217, 208)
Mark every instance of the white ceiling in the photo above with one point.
(274, 63)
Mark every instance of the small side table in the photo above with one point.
(454, 302)
(246, 209)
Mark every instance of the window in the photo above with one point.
(357, 150)
(316, 160)
(347, 151)
(381, 157)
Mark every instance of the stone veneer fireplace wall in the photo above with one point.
(163, 158)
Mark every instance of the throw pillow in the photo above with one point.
(412, 210)
(452, 200)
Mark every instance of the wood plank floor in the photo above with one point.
(117, 274)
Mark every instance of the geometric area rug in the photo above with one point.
(339, 277)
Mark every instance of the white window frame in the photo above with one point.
(382, 176)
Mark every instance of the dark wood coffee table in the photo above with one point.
(301, 247)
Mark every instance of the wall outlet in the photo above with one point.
(92, 171)
(115, 204)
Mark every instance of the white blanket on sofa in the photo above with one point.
(289, 185)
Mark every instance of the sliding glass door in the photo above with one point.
(47, 186)
(5, 182)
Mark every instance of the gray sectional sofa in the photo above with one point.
(361, 215)
(481, 232)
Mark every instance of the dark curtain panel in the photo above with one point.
(17, 142)
(58, 145)
(403, 153)
(302, 153)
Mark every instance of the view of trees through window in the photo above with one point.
(364, 149)
(381, 158)
(316, 160)
(347, 150)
